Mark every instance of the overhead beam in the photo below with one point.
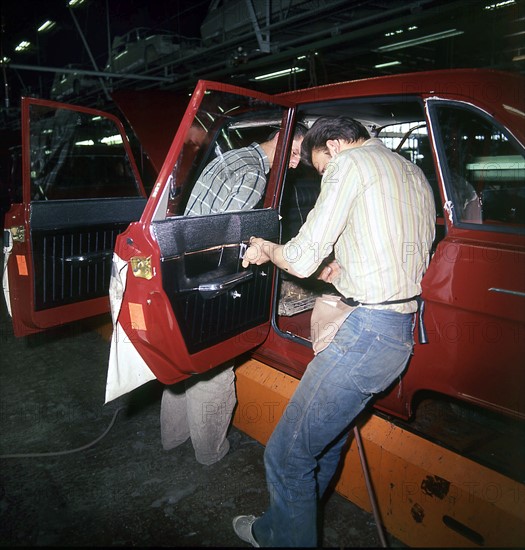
(263, 41)
(88, 49)
(347, 33)
(101, 74)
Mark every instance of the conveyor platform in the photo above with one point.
(427, 495)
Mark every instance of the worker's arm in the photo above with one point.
(261, 251)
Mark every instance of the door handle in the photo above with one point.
(505, 291)
(211, 289)
(88, 257)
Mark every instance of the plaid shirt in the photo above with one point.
(376, 212)
(234, 180)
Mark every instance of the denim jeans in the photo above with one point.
(370, 350)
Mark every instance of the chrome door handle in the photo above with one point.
(505, 291)
(88, 257)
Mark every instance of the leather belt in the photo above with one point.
(422, 333)
(353, 303)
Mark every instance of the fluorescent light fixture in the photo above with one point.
(497, 5)
(520, 57)
(46, 26)
(112, 140)
(277, 74)
(422, 40)
(23, 46)
(393, 33)
(401, 31)
(75, 3)
(388, 64)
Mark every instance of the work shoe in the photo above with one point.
(242, 525)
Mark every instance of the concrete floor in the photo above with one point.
(91, 474)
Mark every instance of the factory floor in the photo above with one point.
(89, 474)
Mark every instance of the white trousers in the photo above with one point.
(200, 407)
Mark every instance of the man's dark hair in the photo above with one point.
(326, 128)
(299, 131)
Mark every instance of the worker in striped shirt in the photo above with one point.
(376, 213)
(236, 180)
(201, 407)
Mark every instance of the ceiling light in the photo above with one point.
(401, 31)
(112, 140)
(497, 5)
(75, 3)
(388, 64)
(277, 74)
(393, 33)
(422, 40)
(46, 26)
(23, 46)
(520, 57)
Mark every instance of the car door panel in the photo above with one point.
(72, 258)
(79, 188)
(173, 334)
(211, 295)
(183, 304)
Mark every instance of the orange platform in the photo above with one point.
(428, 496)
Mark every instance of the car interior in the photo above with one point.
(483, 170)
(399, 122)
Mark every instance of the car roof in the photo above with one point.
(500, 93)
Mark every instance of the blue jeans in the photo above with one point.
(370, 350)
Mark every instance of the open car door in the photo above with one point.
(181, 301)
(79, 188)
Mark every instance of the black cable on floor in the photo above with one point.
(58, 453)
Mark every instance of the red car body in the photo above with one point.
(183, 305)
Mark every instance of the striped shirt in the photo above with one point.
(234, 180)
(376, 212)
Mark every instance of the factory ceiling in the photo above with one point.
(267, 45)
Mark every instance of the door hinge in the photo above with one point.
(141, 267)
(18, 233)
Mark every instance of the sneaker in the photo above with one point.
(242, 525)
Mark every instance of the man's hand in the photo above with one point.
(258, 252)
(330, 273)
(261, 251)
